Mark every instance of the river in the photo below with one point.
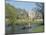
(21, 29)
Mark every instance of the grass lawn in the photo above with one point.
(38, 29)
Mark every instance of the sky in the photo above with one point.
(23, 5)
(30, 0)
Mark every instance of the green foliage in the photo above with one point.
(17, 15)
(10, 12)
(21, 13)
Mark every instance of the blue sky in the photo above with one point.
(22, 5)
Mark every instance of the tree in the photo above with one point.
(41, 8)
(10, 12)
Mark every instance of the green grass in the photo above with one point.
(39, 29)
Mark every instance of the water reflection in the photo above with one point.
(21, 29)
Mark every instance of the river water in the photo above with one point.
(21, 29)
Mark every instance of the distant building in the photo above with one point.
(34, 15)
